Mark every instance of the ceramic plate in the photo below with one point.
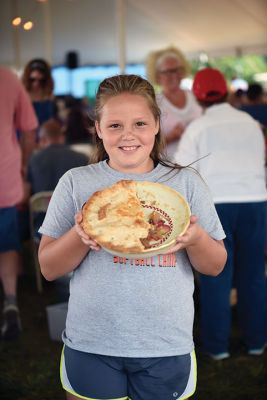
(173, 209)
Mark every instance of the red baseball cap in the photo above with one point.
(209, 85)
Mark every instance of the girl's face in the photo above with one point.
(128, 128)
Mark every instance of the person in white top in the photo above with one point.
(178, 107)
(226, 146)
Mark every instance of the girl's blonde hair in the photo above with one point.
(155, 58)
(131, 84)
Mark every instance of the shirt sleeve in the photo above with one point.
(202, 206)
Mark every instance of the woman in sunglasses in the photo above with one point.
(167, 68)
(38, 81)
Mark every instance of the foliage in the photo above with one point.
(235, 67)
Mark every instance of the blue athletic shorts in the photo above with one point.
(9, 230)
(98, 377)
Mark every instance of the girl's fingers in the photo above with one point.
(96, 248)
(78, 217)
(82, 234)
(84, 237)
(174, 248)
(91, 243)
(193, 219)
(182, 239)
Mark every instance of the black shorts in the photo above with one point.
(98, 377)
(9, 230)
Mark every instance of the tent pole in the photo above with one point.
(16, 36)
(47, 31)
(120, 11)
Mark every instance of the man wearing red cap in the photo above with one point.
(227, 147)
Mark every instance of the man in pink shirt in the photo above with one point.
(16, 113)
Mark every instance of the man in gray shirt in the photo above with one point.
(54, 158)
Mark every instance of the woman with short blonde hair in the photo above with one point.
(167, 68)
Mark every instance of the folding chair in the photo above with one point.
(38, 204)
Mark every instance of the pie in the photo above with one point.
(114, 218)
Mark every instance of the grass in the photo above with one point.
(29, 367)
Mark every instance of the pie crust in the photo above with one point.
(115, 219)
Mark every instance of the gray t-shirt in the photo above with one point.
(129, 308)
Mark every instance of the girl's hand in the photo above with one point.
(189, 238)
(84, 237)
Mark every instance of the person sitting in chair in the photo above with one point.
(45, 168)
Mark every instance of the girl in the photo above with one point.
(129, 325)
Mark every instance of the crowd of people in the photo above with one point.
(205, 144)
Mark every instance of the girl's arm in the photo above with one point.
(206, 255)
(60, 256)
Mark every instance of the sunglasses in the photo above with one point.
(177, 70)
(41, 80)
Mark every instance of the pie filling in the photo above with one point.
(158, 232)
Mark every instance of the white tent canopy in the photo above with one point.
(114, 31)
